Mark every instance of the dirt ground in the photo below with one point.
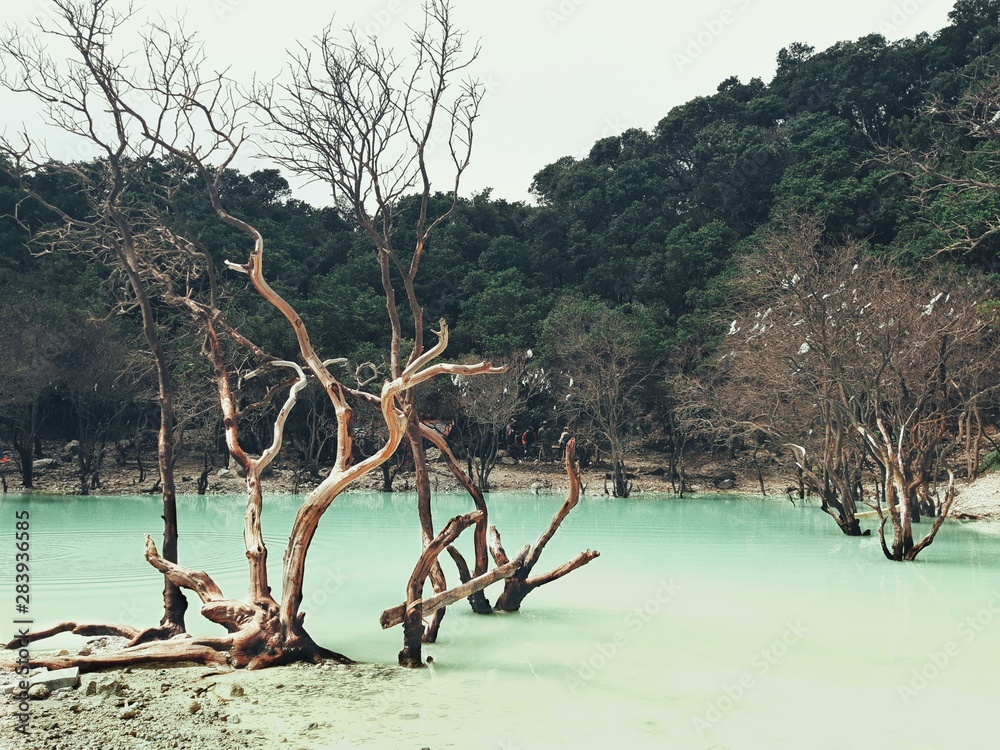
(649, 475)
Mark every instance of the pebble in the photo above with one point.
(39, 692)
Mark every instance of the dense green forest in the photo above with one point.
(860, 148)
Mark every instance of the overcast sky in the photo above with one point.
(560, 73)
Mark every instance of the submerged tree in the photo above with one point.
(196, 129)
(366, 125)
(374, 129)
(83, 94)
(874, 368)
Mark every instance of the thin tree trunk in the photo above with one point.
(423, 487)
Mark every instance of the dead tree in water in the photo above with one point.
(515, 571)
(875, 367)
(520, 584)
(84, 97)
(354, 118)
(200, 125)
(262, 630)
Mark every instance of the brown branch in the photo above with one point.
(579, 561)
(519, 585)
(122, 631)
(197, 581)
(169, 652)
(394, 615)
(413, 624)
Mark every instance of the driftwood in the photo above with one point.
(122, 631)
(519, 585)
(174, 651)
(394, 615)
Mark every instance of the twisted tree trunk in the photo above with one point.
(520, 584)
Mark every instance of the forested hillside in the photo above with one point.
(647, 236)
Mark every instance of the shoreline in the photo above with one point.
(979, 499)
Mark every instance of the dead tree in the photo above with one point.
(281, 630)
(262, 630)
(516, 572)
(84, 97)
(355, 118)
(602, 370)
(873, 366)
(521, 583)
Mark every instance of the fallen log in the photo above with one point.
(86, 629)
(196, 651)
(394, 615)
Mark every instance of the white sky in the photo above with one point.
(561, 73)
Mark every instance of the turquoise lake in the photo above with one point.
(717, 622)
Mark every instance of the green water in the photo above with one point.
(705, 623)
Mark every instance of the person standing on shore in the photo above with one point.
(564, 437)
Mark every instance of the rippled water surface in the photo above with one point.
(705, 623)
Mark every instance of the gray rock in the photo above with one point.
(57, 678)
(44, 463)
(39, 692)
(129, 712)
(236, 690)
(105, 686)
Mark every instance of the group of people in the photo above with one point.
(528, 444)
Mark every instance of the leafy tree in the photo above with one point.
(598, 370)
